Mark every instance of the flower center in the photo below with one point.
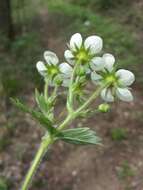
(111, 79)
(53, 70)
(82, 56)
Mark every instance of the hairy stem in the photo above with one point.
(70, 94)
(74, 114)
(91, 98)
(46, 90)
(47, 140)
(36, 162)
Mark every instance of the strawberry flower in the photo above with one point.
(119, 81)
(84, 52)
(52, 70)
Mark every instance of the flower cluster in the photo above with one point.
(84, 55)
(84, 61)
(53, 71)
(119, 81)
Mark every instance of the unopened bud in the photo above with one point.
(104, 107)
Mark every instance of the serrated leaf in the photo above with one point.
(44, 121)
(82, 136)
(41, 102)
(44, 105)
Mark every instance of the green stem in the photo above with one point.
(68, 119)
(46, 90)
(70, 94)
(34, 166)
(74, 114)
(91, 98)
(47, 140)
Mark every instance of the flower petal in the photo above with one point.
(66, 82)
(124, 94)
(94, 43)
(69, 57)
(126, 78)
(41, 67)
(97, 63)
(75, 41)
(95, 77)
(109, 61)
(66, 69)
(106, 95)
(51, 58)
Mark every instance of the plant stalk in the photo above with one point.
(36, 162)
(46, 90)
(48, 140)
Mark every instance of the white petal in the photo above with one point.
(126, 78)
(87, 70)
(51, 58)
(97, 63)
(124, 94)
(69, 57)
(75, 41)
(68, 54)
(109, 61)
(106, 95)
(95, 43)
(95, 77)
(41, 67)
(66, 69)
(66, 82)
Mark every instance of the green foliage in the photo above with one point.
(125, 170)
(40, 99)
(4, 42)
(103, 4)
(115, 36)
(83, 2)
(118, 134)
(4, 142)
(43, 120)
(82, 136)
(25, 44)
(46, 107)
(3, 184)
(108, 4)
(11, 85)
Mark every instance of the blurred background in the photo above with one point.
(27, 29)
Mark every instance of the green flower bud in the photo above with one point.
(104, 107)
(58, 80)
(80, 71)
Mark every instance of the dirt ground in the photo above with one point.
(69, 167)
(117, 165)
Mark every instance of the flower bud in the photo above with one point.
(58, 80)
(104, 107)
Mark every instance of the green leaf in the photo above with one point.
(82, 136)
(43, 120)
(41, 102)
(44, 106)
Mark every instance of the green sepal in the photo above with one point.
(81, 136)
(41, 101)
(43, 120)
(44, 106)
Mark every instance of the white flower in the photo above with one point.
(41, 68)
(76, 41)
(53, 70)
(51, 58)
(118, 81)
(83, 52)
(66, 72)
(109, 60)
